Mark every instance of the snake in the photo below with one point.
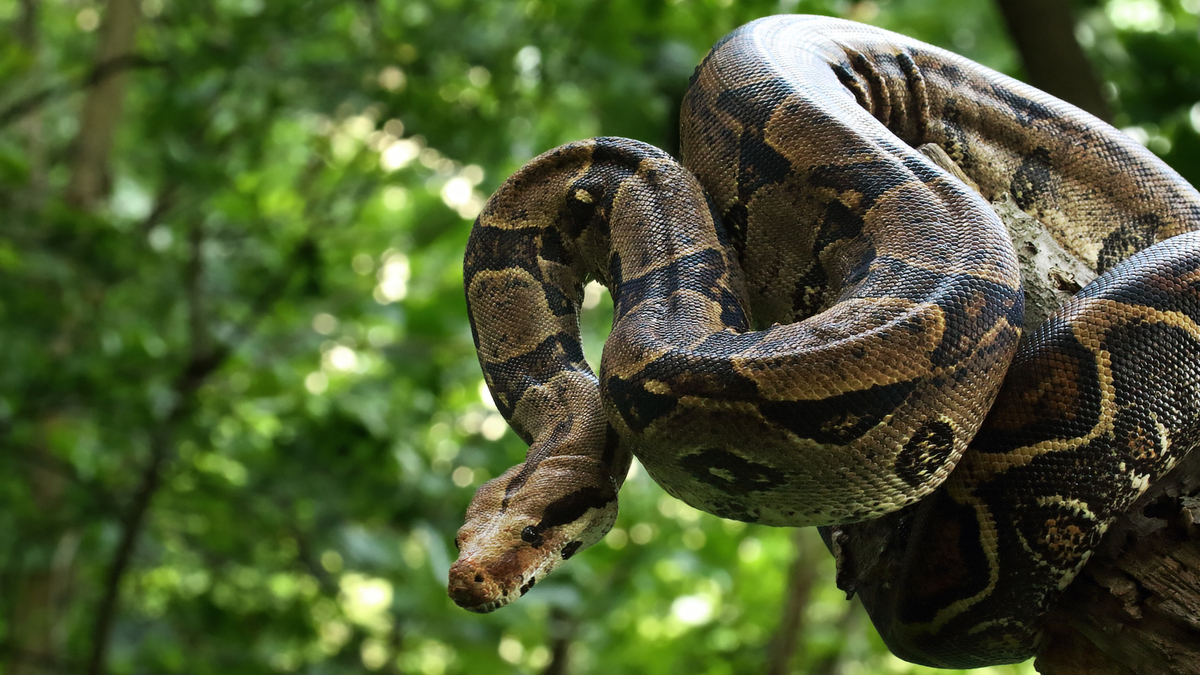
(815, 324)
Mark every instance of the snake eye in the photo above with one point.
(532, 536)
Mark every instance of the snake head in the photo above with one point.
(525, 523)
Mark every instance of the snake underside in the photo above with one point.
(816, 325)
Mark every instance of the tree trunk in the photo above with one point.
(37, 637)
(28, 35)
(1044, 34)
(43, 592)
(89, 182)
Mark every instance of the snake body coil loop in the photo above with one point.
(812, 322)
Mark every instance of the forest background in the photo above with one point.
(240, 410)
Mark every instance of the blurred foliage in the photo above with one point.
(255, 357)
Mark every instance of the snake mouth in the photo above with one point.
(487, 607)
(475, 590)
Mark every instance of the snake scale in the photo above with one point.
(813, 324)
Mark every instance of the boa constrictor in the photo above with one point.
(813, 321)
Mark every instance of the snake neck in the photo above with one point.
(593, 209)
(611, 209)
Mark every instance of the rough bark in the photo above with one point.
(89, 181)
(1044, 34)
(1050, 274)
(1136, 606)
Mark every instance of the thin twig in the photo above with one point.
(94, 490)
(562, 628)
(131, 527)
(306, 555)
(163, 202)
(95, 76)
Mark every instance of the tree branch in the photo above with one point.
(308, 558)
(35, 143)
(48, 462)
(1135, 608)
(131, 527)
(1044, 34)
(164, 201)
(97, 75)
(43, 662)
(202, 363)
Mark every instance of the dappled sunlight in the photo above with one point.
(1139, 15)
(393, 79)
(367, 601)
(692, 610)
(398, 153)
(393, 278)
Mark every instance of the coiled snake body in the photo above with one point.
(813, 321)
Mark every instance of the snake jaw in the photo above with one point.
(480, 588)
(474, 590)
(512, 541)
